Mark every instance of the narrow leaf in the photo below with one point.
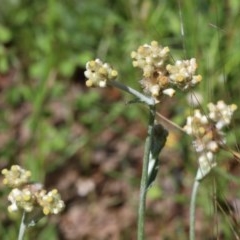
(158, 142)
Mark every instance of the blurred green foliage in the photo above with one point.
(47, 116)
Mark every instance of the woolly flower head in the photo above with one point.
(16, 176)
(182, 73)
(207, 131)
(196, 124)
(21, 199)
(99, 73)
(159, 77)
(50, 202)
(221, 113)
(30, 197)
(150, 58)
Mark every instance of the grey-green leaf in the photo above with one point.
(158, 141)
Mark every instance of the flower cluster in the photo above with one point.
(207, 132)
(182, 73)
(16, 176)
(98, 73)
(50, 202)
(159, 77)
(221, 113)
(21, 198)
(29, 196)
(150, 57)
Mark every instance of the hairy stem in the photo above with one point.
(149, 140)
(144, 178)
(22, 228)
(143, 98)
(193, 208)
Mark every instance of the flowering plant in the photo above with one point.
(31, 199)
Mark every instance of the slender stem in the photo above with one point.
(193, 208)
(170, 122)
(148, 100)
(22, 228)
(144, 178)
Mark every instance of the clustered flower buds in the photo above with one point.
(159, 76)
(99, 73)
(221, 113)
(150, 58)
(50, 202)
(207, 132)
(29, 196)
(182, 73)
(20, 198)
(16, 176)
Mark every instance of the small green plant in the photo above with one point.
(30, 199)
(45, 109)
(160, 78)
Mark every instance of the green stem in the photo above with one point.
(193, 208)
(22, 228)
(149, 140)
(144, 178)
(143, 98)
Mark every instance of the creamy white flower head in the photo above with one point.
(12, 198)
(16, 176)
(27, 196)
(159, 77)
(21, 199)
(150, 58)
(221, 113)
(182, 73)
(196, 124)
(208, 137)
(50, 202)
(99, 73)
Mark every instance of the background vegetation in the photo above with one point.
(88, 142)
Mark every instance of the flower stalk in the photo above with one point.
(29, 198)
(159, 78)
(144, 178)
(193, 208)
(22, 228)
(141, 97)
(209, 138)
